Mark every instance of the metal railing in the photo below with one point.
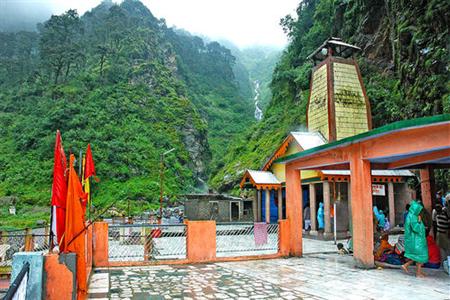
(18, 289)
(145, 242)
(246, 239)
(34, 240)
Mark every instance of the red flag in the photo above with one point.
(59, 189)
(74, 240)
(89, 167)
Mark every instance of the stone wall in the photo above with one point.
(213, 207)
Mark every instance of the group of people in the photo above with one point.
(320, 217)
(418, 245)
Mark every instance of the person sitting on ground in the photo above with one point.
(434, 257)
(341, 249)
(416, 248)
(400, 246)
(387, 225)
(384, 247)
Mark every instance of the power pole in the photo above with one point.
(161, 183)
(161, 189)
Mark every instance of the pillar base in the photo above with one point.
(313, 232)
(328, 234)
(361, 265)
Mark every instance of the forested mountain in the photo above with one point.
(404, 63)
(119, 78)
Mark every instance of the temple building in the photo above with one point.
(338, 108)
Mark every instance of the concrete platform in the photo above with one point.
(315, 276)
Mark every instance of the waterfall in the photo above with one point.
(258, 111)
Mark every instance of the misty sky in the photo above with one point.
(244, 22)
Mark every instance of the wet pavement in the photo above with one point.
(315, 276)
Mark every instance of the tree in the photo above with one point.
(61, 44)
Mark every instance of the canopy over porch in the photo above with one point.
(412, 144)
(260, 180)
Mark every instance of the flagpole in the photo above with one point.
(80, 164)
(90, 199)
(50, 238)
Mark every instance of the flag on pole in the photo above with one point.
(74, 240)
(88, 171)
(59, 190)
(85, 181)
(90, 167)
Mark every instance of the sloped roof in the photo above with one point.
(263, 177)
(306, 140)
(374, 172)
(341, 48)
(260, 179)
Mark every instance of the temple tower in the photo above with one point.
(338, 106)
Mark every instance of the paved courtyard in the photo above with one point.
(315, 276)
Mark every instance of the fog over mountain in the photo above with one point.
(245, 23)
(16, 15)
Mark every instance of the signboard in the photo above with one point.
(378, 190)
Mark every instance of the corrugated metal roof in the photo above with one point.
(263, 177)
(374, 172)
(308, 140)
(333, 42)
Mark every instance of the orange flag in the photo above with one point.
(74, 239)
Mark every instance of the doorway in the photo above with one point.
(234, 210)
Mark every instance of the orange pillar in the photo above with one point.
(362, 212)
(427, 185)
(201, 241)
(100, 244)
(284, 238)
(294, 209)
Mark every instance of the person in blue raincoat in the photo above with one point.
(320, 216)
(416, 248)
(381, 219)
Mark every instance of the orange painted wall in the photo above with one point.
(100, 244)
(201, 241)
(59, 283)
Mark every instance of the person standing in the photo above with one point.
(320, 216)
(416, 248)
(307, 217)
(443, 228)
(437, 207)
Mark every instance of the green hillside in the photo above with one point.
(123, 81)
